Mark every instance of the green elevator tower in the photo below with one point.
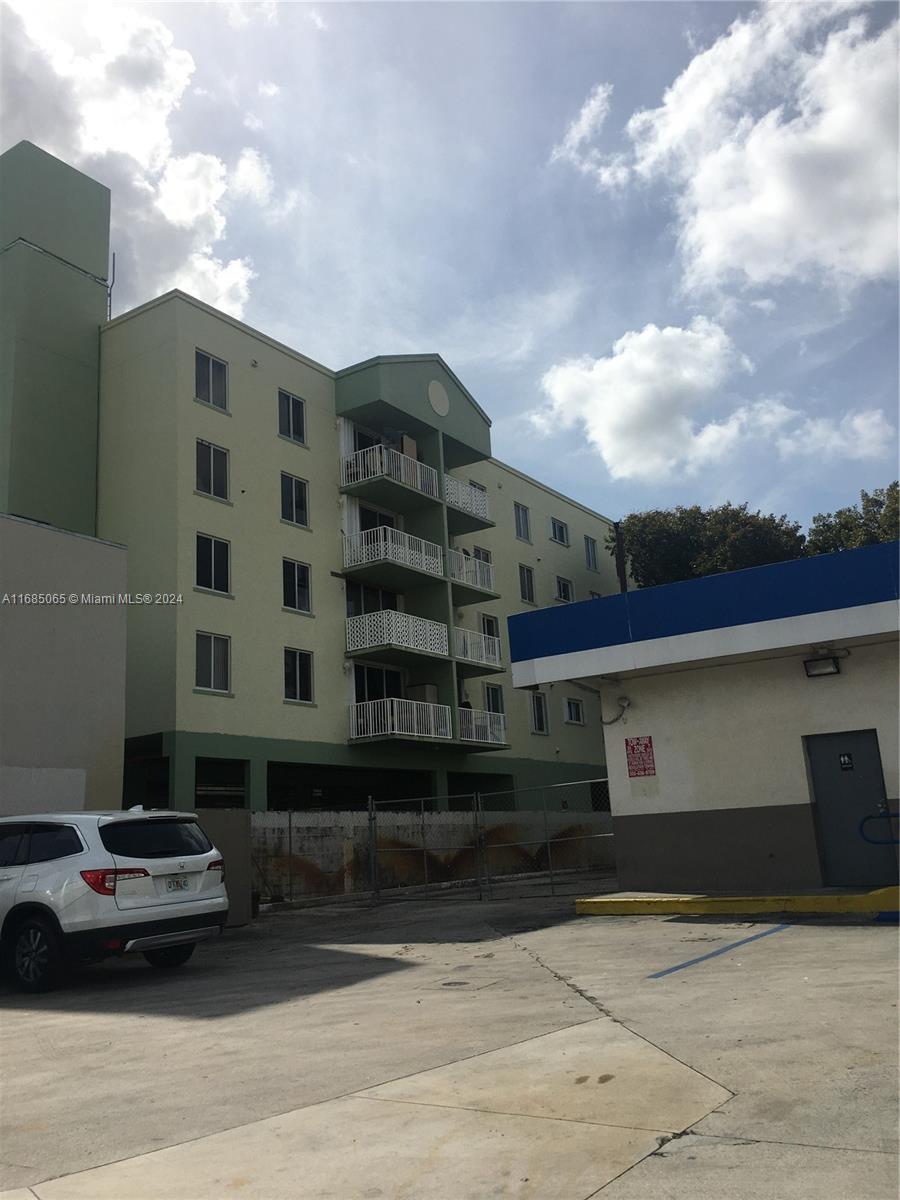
(54, 251)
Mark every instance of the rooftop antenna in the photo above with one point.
(112, 283)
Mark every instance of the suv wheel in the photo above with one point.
(170, 956)
(35, 956)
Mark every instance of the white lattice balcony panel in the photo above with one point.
(399, 630)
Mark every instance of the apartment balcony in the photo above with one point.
(394, 718)
(480, 728)
(472, 580)
(398, 637)
(387, 478)
(467, 507)
(476, 653)
(391, 558)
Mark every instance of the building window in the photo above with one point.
(539, 722)
(590, 552)
(294, 500)
(564, 589)
(377, 683)
(298, 675)
(523, 522)
(212, 470)
(481, 554)
(490, 626)
(213, 668)
(363, 598)
(493, 698)
(574, 712)
(295, 583)
(596, 595)
(291, 417)
(559, 531)
(210, 380)
(526, 583)
(212, 563)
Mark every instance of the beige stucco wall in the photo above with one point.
(731, 737)
(62, 670)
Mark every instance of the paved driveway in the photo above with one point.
(454, 1050)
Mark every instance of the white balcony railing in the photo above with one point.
(465, 569)
(407, 718)
(463, 496)
(391, 628)
(375, 461)
(384, 544)
(477, 725)
(476, 647)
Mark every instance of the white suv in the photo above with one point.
(82, 886)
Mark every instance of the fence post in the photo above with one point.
(547, 840)
(481, 844)
(424, 843)
(373, 851)
(290, 854)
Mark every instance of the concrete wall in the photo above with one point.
(730, 804)
(62, 670)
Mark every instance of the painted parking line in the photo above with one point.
(721, 950)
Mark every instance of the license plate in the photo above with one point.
(177, 883)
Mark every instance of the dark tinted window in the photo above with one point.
(164, 838)
(12, 838)
(53, 841)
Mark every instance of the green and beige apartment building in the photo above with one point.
(330, 555)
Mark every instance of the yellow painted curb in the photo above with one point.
(881, 900)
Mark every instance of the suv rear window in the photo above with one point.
(49, 842)
(159, 838)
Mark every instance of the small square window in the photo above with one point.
(210, 380)
(539, 722)
(559, 531)
(213, 565)
(295, 584)
(590, 553)
(212, 664)
(526, 583)
(291, 417)
(574, 712)
(294, 500)
(298, 676)
(564, 590)
(523, 522)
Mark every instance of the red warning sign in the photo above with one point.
(639, 756)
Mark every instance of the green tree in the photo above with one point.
(668, 545)
(874, 519)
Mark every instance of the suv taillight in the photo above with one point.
(217, 864)
(104, 882)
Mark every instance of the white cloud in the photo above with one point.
(779, 146)
(252, 177)
(865, 434)
(253, 122)
(576, 148)
(188, 193)
(240, 15)
(639, 405)
(506, 331)
(317, 19)
(649, 408)
(765, 305)
(268, 89)
(225, 285)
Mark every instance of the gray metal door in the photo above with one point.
(848, 786)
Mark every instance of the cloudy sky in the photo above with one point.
(657, 241)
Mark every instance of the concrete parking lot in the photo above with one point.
(448, 1049)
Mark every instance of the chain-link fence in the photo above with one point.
(529, 841)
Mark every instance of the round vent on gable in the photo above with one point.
(438, 398)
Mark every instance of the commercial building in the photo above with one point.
(331, 554)
(750, 719)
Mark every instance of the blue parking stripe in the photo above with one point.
(722, 950)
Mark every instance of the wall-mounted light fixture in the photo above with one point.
(821, 666)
